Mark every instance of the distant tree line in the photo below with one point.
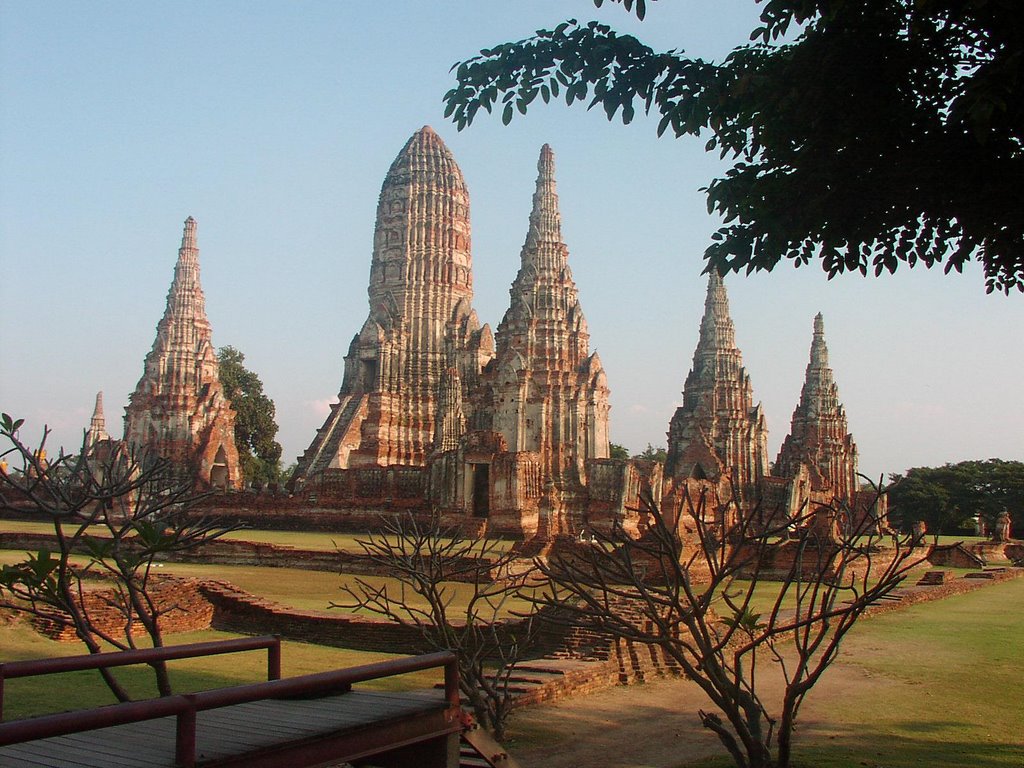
(950, 497)
(650, 453)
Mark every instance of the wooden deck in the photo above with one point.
(345, 726)
(300, 722)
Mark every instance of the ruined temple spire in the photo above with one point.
(819, 437)
(551, 396)
(178, 409)
(718, 429)
(421, 321)
(97, 431)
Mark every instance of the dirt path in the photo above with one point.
(653, 725)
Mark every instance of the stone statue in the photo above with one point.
(1001, 531)
(918, 530)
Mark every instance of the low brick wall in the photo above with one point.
(305, 513)
(187, 610)
(236, 610)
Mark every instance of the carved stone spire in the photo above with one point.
(421, 321)
(178, 409)
(97, 425)
(718, 430)
(819, 437)
(550, 393)
(544, 248)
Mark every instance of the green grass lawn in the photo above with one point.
(961, 665)
(937, 684)
(299, 589)
(313, 540)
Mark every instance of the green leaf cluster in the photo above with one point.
(255, 414)
(897, 125)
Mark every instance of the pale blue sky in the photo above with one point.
(274, 123)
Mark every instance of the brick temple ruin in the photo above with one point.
(510, 427)
(505, 429)
(178, 409)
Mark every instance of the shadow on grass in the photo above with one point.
(903, 743)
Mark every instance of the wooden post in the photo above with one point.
(185, 736)
(274, 660)
(451, 683)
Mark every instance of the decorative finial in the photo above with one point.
(188, 236)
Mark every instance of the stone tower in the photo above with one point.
(718, 432)
(819, 438)
(178, 409)
(420, 323)
(97, 431)
(550, 395)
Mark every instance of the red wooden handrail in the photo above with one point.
(185, 706)
(32, 667)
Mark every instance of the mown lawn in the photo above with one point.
(313, 540)
(937, 684)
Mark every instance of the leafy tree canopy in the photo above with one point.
(255, 427)
(862, 134)
(947, 498)
(617, 451)
(650, 453)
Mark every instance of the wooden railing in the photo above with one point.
(185, 706)
(33, 667)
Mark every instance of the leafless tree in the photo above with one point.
(735, 602)
(427, 562)
(113, 515)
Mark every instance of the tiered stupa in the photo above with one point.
(420, 324)
(718, 432)
(178, 409)
(97, 432)
(550, 394)
(819, 437)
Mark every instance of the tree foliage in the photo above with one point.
(709, 600)
(948, 498)
(255, 427)
(650, 453)
(616, 451)
(862, 135)
(113, 514)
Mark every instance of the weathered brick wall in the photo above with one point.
(236, 610)
(187, 608)
(779, 560)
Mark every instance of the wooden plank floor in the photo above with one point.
(222, 733)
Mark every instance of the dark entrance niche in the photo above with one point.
(368, 374)
(481, 489)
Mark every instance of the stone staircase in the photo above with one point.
(585, 659)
